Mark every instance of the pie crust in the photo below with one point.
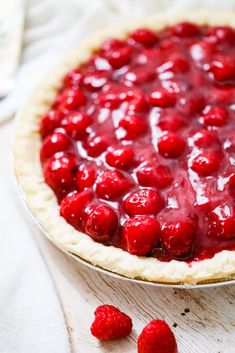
(42, 201)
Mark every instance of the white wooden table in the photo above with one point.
(203, 320)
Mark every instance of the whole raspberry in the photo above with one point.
(206, 163)
(170, 145)
(76, 124)
(101, 223)
(56, 142)
(144, 36)
(162, 98)
(112, 184)
(133, 125)
(157, 337)
(110, 323)
(72, 206)
(141, 234)
(178, 237)
(143, 201)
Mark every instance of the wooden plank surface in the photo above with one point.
(208, 327)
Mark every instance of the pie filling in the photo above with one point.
(139, 144)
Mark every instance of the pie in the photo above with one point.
(126, 151)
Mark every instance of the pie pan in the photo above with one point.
(43, 204)
(202, 284)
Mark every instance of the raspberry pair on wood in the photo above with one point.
(110, 324)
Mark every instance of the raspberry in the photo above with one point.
(119, 57)
(112, 184)
(221, 34)
(204, 138)
(122, 157)
(215, 116)
(158, 176)
(101, 223)
(72, 207)
(144, 201)
(70, 99)
(85, 176)
(96, 145)
(185, 29)
(141, 234)
(222, 222)
(176, 63)
(222, 68)
(110, 323)
(157, 337)
(76, 124)
(206, 163)
(171, 145)
(162, 98)
(56, 142)
(50, 122)
(136, 99)
(178, 237)
(72, 79)
(133, 125)
(59, 172)
(144, 36)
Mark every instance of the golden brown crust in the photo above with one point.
(41, 199)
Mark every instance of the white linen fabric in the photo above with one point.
(31, 317)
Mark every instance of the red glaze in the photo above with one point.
(142, 134)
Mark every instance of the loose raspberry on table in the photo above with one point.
(110, 323)
(157, 337)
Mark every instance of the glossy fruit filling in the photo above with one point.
(139, 144)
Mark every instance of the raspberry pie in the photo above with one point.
(126, 152)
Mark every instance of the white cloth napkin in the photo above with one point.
(31, 320)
